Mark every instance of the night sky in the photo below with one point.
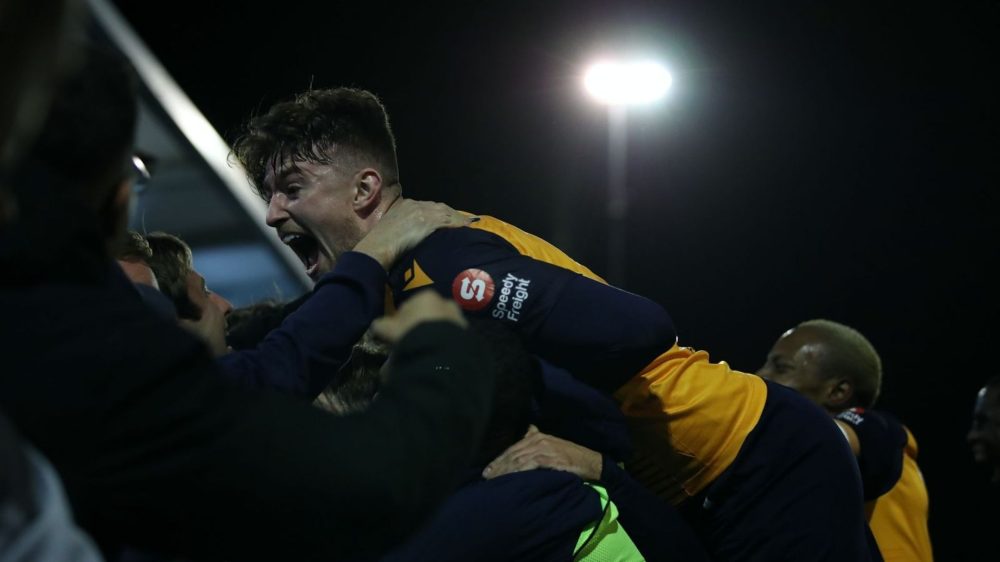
(829, 159)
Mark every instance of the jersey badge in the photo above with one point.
(473, 289)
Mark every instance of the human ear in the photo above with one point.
(368, 191)
(839, 394)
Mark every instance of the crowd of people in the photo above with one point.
(453, 388)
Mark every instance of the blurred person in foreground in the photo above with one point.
(838, 369)
(36, 522)
(32, 58)
(155, 448)
(984, 435)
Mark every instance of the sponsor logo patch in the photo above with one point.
(510, 302)
(473, 289)
(416, 278)
(854, 416)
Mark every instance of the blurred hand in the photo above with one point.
(139, 272)
(539, 450)
(406, 224)
(425, 306)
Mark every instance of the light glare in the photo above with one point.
(627, 83)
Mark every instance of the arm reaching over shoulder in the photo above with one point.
(305, 352)
(539, 450)
(407, 223)
(568, 315)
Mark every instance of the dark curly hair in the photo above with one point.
(312, 127)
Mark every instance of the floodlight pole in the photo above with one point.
(617, 202)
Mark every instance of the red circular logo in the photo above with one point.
(473, 289)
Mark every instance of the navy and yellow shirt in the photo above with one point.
(897, 502)
(899, 521)
(688, 416)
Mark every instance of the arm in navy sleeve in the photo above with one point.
(576, 412)
(655, 527)
(303, 355)
(882, 442)
(603, 335)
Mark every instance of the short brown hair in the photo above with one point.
(309, 126)
(134, 247)
(171, 262)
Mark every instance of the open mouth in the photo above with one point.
(306, 248)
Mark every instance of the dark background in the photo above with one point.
(826, 159)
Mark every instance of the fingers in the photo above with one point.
(529, 451)
(425, 306)
(435, 215)
(516, 463)
(539, 450)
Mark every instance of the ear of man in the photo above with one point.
(840, 394)
(368, 191)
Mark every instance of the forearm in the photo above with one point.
(303, 355)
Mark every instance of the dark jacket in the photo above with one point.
(158, 450)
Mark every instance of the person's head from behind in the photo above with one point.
(984, 435)
(133, 257)
(247, 326)
(827, 362)
(85, 145)
(518, 379)
(199, 310)
(325, 162)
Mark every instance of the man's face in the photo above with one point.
(312, 208)
(794, 361)
(984, 436)
(211, 327)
